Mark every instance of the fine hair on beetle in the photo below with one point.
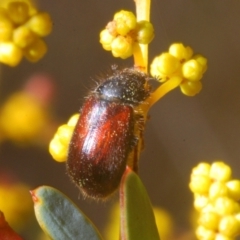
(105, 139)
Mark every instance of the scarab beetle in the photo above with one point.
(104, 135)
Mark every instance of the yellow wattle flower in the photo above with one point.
(22, 118)
(58, 146)
(178, 67)
(22, 27)
(122, 34)
(216, 202)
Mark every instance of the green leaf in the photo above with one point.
(137, 217)
(60, 218)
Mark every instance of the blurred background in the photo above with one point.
(181, 132)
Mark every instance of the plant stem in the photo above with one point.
(140, 54)
(164, 89)
(141, 50)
